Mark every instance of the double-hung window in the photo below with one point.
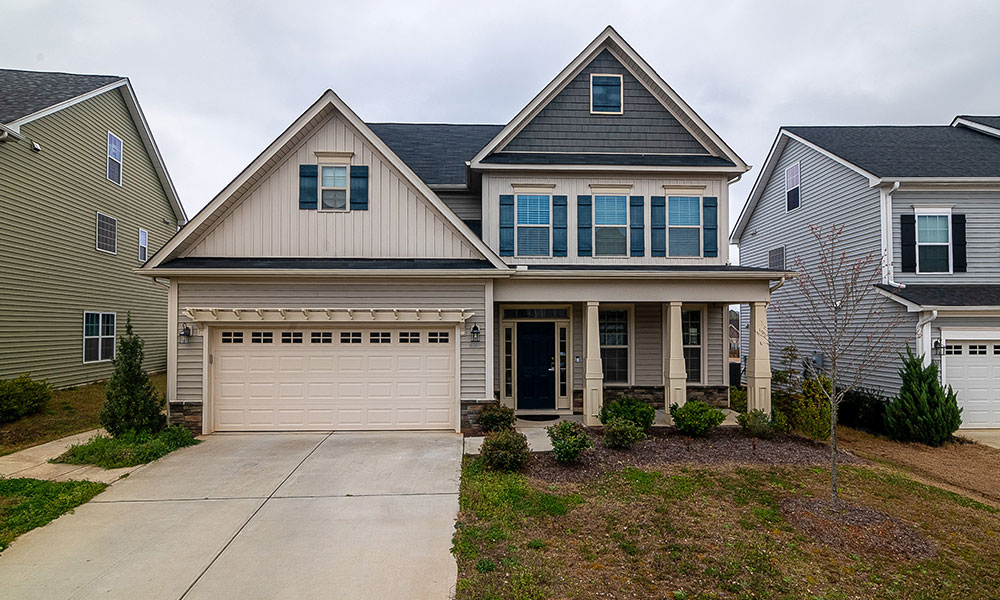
(98, 336)
(534, 224)
(684, 216)
(114, 159)
(143, 245)
(606, 94)
(107, 233)
(610, 225)
(792, 187)
(613, 333)
(333, 189)
(691, 337)
(933, 243)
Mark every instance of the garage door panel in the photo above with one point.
(973, 371)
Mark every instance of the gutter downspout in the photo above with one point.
(889, 271)
(775, 287)
(924, 334)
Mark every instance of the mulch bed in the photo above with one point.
(725, 445)
(857, 529)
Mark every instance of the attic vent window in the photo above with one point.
(606, 94)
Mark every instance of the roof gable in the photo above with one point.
(28, 92)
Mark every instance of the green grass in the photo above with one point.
(29, 503)
(71, 410)
(127, 450)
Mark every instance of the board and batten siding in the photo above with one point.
(330, 293)
(571, 186)
(830, 194)
(267, 221)
(50, 269)
(982, 215)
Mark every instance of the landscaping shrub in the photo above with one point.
(630, 408)
(622, 433)
(696, 417)
(569, 440)
(923, 411)
(779, 421)
(812, 415)
(505, 450)
(22, 396)
(131, 402)
(128, 449)
(758, 424)
(738, 398)
(863, 409)
(496, 417)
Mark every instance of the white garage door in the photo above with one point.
(973, 371)
(305, 379)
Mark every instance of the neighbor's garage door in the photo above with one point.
(281, 379)
(973, 371)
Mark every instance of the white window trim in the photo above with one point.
(630, 309)
(83, 343)
(703, 346)
(798, 167)
(933, 211)
(621, 93)
(121, 163)
(141, 245)
(548, 194)
(346, 188)
(627, 226)
(701, 224)
(97, 233)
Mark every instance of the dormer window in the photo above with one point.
(606, 96)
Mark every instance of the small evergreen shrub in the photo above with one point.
(621, 433)
(758, 424)
(22, 396)
(569, 440)
(496, 417)
(505, 450)
(630, 408)
(779, 421)
(738, 398)
(922, 411)
(696, 417)
(863, 409)
(812, 415)
(131, 401)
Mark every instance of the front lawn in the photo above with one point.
(127, 450)
(70, 411)
(668, 530)
(29, 503)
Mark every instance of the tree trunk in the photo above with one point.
(833, 451)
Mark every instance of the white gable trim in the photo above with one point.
(329, 98)
(571, 70)
(959, 121)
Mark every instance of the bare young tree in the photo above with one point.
(837, 312)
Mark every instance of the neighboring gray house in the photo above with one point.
(85, 200)
(399, 276)
(928, 200)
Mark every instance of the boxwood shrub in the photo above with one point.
(22, 396)
(696, 417)
(629, 408)
(505, 450)
(569, 440)
(496, 417)
(622, 434)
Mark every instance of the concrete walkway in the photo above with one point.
(34, 462)
(986, 437)
(255, 516)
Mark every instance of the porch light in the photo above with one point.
(184, 334)
(475, 332)
(938, 348)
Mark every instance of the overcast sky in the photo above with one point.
(218, 81)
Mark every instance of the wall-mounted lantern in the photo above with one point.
(475, 333)
(184, 334)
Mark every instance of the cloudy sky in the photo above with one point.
(218, 81)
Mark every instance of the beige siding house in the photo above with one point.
(86, 201)
(399, 276)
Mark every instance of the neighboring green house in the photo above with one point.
(85, 199)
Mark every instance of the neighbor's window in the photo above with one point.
(933, 244)
(143, 245)
(533, 224)
(98, 336)
(107, 233)
(684, 216)
(691, 337)
(333, 188)
(776, 259)
(792, 187)
(613, 334)
(606, 94)
(114, 158)
(610, 225)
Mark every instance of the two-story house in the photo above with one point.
(925, 200)
(396, 276)
(86, 200)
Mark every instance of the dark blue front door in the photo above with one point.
(536, 373)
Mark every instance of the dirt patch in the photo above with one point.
(857, 529)
(667, 446)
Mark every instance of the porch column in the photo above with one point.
(759, 360)
(676, 372)
(593, 391)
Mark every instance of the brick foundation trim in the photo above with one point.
(471, 410)
(187, 415)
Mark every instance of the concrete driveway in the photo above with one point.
(276, 515)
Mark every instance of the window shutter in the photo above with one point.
(958, 259)
(308, 190)
(506, 225)
(710, 206)
(638, 225)
(658, 226)
(559, 226)
(584, 226)
(908, 242)
(359, 188)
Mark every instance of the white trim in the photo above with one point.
(604, 189)
(100, 336)
(346, 188)
(932, 211)
(143, 246)
(621, 94)
(16, 123)
(977, 126)
(591, 168)
(798, 185)
(320, 315)
(558, 322)
(684, 190)
(97, 232)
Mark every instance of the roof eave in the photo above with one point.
(636, 168)
(345, 273)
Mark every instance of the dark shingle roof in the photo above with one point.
(947, 295)
(435, 151)
(919, 151)
(659, 160)
(988, 121)
(25, 92)
(196, 262)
